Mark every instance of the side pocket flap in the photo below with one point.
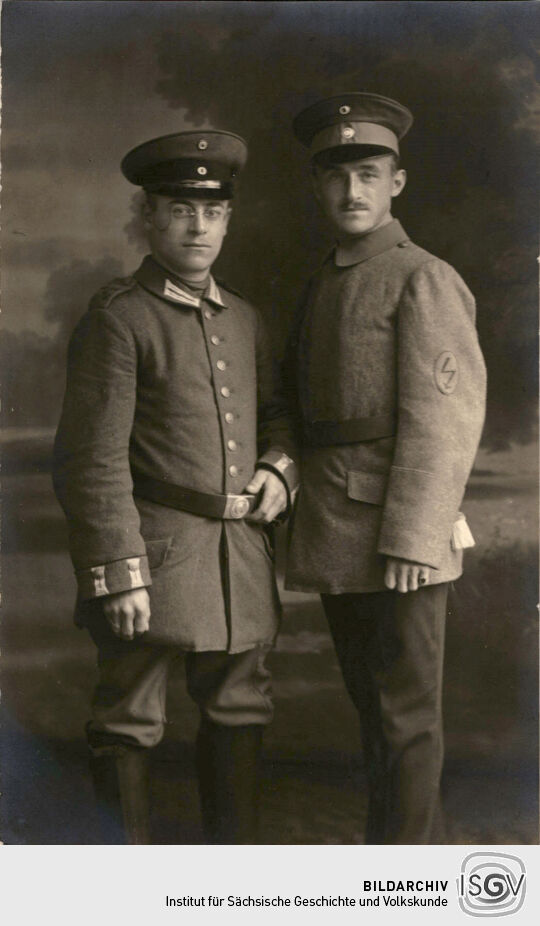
(157, 550)
(367, 487)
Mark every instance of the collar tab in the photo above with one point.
(153, 277)
(214, 294)
(177, 294)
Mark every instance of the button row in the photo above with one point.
(221, 365)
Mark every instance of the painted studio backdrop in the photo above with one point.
(82, 84)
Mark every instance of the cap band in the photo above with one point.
(192, 189)
(201, 184)
(354, 133)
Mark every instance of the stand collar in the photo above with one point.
(157, 279)
(376, 242)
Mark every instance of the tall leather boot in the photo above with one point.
(121, 784)
(228, 768)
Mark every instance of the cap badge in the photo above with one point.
(347, 133)
(202, 171)
(344, 110)
(202, 145)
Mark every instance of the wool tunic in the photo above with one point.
(183, 390)
(390, 333)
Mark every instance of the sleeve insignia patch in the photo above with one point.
(100, 585)
(283, 463)
(446, 372)
(134, 566)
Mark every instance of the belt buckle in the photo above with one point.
(237, 506)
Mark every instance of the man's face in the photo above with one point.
(356, 196)
(186, 235)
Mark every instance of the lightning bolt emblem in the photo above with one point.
(446, 372)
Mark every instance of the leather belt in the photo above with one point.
(230, 507)
(349, 431)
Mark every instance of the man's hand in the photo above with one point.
(128, 613)
(273, 499)
(404, 575)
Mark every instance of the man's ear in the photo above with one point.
(146, 212)
(398, 181)
(315, 182)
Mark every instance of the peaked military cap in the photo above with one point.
(360, 119)
(202, 164)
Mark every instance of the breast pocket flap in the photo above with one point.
(366, 487)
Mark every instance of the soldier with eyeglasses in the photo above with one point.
(172, 459)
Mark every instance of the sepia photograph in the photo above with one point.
(269, 423)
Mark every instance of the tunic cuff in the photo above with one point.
(110, 578)
(285, 469)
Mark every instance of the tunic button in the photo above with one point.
(233, 470)
(221, 365)
(208, 313)
(215, 340)
(232, 445)
(229, 417)
(225, 392)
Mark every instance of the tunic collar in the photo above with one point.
(382, 239)
(155, 278)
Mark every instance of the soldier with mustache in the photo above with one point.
(388, 385)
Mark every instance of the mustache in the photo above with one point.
(350, 205)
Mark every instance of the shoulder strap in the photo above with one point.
(104, 296)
